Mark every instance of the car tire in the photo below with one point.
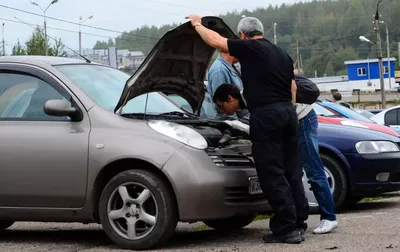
(4, 224)
(231, 224)
(339, 179)
(153, 210)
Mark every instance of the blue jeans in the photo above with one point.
(313, 167)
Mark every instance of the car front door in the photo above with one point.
(43, 159)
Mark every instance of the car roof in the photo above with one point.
(49, 60)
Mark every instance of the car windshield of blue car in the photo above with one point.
(321, 111)
(104, 86)
(349, 113)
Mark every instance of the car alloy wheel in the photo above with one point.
(337, 179)
(132, 217)
(138, 210)
(331, 179)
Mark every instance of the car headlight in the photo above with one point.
(374, 147)
(180, 133)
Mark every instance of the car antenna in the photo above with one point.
(87, 60)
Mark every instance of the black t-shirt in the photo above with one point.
(267, 71)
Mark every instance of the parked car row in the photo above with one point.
(83, 142)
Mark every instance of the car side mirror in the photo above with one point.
(61, 108)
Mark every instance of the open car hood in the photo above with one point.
(176, 65)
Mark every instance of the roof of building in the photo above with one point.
(349, 62)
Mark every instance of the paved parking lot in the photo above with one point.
(373, 226)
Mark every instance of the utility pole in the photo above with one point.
(298, 57)
(379, 44)
(388, 53)
(80, 33)
(4, 44)
(275, 42)
(398, 51)
(45, 25)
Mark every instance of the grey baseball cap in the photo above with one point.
(249, 25)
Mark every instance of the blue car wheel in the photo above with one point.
(337, 177)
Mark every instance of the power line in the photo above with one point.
(72, 31)
(74, 23)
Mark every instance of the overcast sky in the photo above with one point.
(119, 15)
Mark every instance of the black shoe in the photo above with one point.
(301, 231)
(291, 238)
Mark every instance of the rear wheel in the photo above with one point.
(4, 224)
(232, 223)
(138, 210)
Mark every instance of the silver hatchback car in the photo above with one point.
(83, 142)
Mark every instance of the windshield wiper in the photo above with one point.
(177, 113)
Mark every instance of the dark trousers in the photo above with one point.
(274, 132)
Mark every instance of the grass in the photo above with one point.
(372, 199)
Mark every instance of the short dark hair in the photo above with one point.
(337, 96)
(224, 91)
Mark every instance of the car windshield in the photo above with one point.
(321, 111)
(349, 113)
(104, 86)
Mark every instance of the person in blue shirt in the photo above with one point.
(223, 71)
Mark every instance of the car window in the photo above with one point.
(349, 113)
(207, 109)
(320, 110)
(104, 85)
(23, 97)
(391, 117)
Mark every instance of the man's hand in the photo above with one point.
(294, 90)
(194, 19)
(212, 38)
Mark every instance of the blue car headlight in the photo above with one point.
(375, 147)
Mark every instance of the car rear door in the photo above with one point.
(43, 159)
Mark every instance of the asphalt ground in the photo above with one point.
(372, 226)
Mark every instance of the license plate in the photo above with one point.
(254, 186)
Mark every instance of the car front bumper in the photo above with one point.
(205, 190)
(368, 173)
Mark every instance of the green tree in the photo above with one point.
(36, 45)
(327, 31)
(18, 49)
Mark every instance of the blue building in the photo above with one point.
(368, 69)
(361, 75)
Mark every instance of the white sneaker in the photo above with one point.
(325, 226)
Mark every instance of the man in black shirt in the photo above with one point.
(269, 90)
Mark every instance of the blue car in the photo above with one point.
(358, 162)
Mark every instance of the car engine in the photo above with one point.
(223, 135)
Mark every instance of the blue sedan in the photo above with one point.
(358, 162)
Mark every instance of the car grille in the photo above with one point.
(241, 195)
(231, 160)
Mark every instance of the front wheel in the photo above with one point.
(138, 210)
(337, 179)
(232, 223)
